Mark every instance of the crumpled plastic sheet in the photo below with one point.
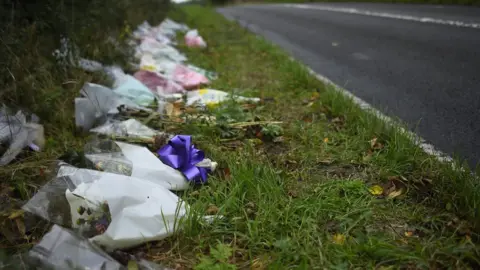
(67, 54)
(131, 128)
(19, 133)
(181, 74)
(116, 74)
(163, 32)
(207, 97)
(158, 51)
(158, 83)
(97, 104)
(169, 27)
(135, 91)
(209, 74)
(114, 211)
(63, 249)
(136, 161)
(193, 39)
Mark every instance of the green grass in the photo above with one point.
(33, 81)
(290, 204)
(303, 202)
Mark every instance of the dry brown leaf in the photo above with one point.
(292, 193)
(194, 193)
(326, 161)
(375, 145)
(212, 209)
(20, 226)
(258, 264)
(16, 214)
(395, 194)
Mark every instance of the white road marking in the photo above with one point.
(387, 15)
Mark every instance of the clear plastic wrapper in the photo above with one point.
(207, 97)
(116, 74)
(68, 55)
(193, 39)
(135, 91)
(16, 133)
(97, 104)
(129, 128)
(107, 156)
(114, 211)
(179, 73)
(158, 50)
(63, 249)
(133, 160)
(209, 74)
(158, 83)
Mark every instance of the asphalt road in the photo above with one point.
(417, 63)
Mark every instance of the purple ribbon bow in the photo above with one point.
(180, 154)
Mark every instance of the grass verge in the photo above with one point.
(341, 189)
(338, 189)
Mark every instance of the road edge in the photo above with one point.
(365, 106)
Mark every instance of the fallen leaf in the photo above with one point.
(16, 214)
(408, 233)
(337, 120)
(338, 238)
(310, 104)
(250, 205)
(373, 142)
(7, 233)
(255, 141)
(395, 194)
(326, 161)
(376, 190)
(226, 173)
(233, 144)
(20, 226)
(132, 265)
(212, 209)
(292, 193)
(375, 145)
(325, 140)
(195, 193)
(307, 119)
(395, 187)
(257, 264)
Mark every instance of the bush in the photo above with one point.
(31, 30)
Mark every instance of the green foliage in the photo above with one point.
(272, 130)
(218, 259)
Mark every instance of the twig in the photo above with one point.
(248, 124)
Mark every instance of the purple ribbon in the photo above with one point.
(180, 154)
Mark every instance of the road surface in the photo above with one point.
(417, 63)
